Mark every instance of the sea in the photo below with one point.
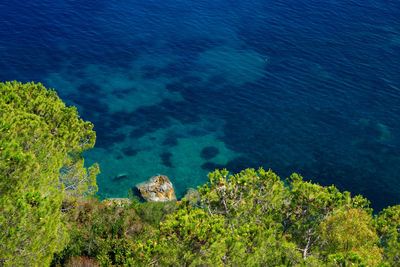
(184, 87)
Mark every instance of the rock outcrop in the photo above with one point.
(158, 188)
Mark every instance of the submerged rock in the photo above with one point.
(120, 176)
(158, 188)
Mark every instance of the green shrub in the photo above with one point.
(153, 212)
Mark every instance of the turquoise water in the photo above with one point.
(183, 87)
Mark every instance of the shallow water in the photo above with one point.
(183, 87)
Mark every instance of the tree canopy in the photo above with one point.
(41, 141)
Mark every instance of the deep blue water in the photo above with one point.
(183, 87)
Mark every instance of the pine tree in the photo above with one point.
(41, 141)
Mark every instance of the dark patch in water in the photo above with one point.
(150, 75)
(197, 132)
(241, 163)
(90, 89)
(217, 80)
(137, 133)
(128, 151)
(90, 103)
(176, 69)
(120, 117)
(175, 87)
(190, 79)
(107, 140)
(211, 166)
(149, 68)
(122, 93)
(120, 56)
(209, 152)
(150, 72)
(170, 141)
(159, 116)
(166, 159)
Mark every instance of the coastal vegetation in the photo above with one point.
(49, 213)
(41, 142)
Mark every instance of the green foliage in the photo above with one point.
(39, 135)
(153, 212)
(187, 235)
(101, 230)
(252, 219)
(236, 225)
(258, 195)
(248, 219)
(112, 231)
(388, 227)
(348, 236)
(309, 204)
(193, 237)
